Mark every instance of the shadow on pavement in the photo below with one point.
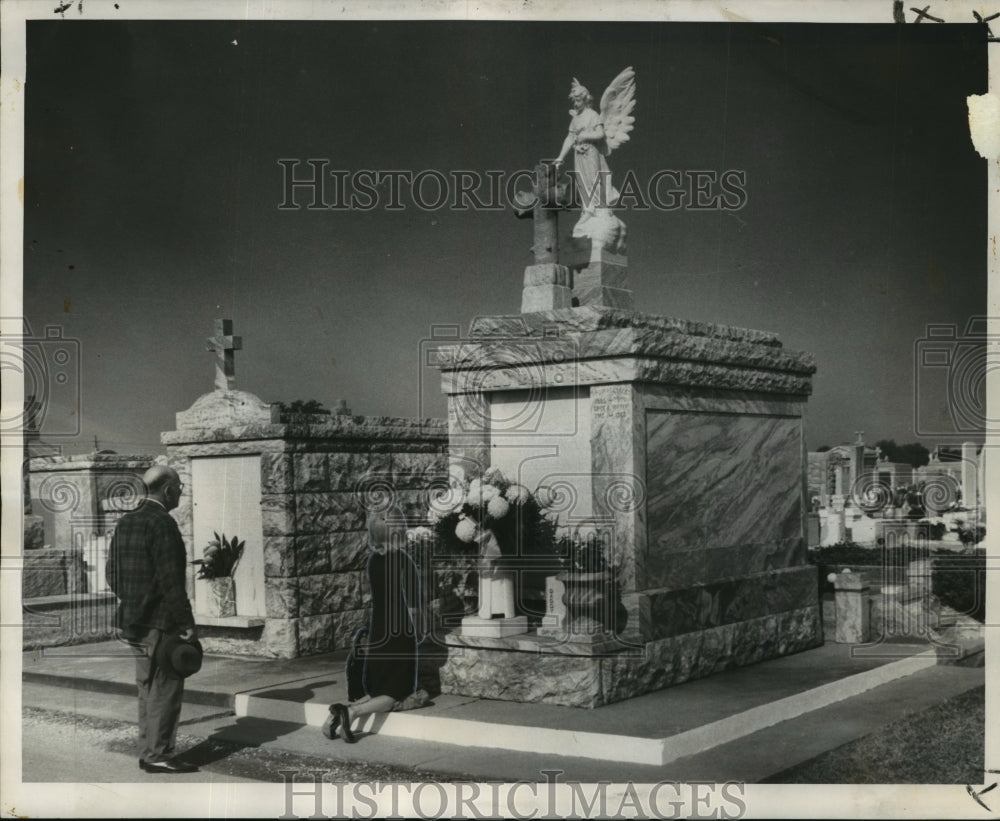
(250, 733)
(243, 734)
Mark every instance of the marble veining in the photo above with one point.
(705, 565)
(617, 433)
(666, 397)
(731, 600)
(716, 480)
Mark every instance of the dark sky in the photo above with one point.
(152, 188)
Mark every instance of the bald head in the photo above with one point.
(164, 485)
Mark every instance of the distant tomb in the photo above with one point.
(295, 487)
(77, 500)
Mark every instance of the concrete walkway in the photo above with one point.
(734, 725)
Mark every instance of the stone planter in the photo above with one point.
(216, 597)
(853, 609)
(590, 606)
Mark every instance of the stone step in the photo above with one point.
(680, 723)
(442, 721)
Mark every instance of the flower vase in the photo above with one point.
(496, 594)
(496, 616)
(216, 597)
(496, 582)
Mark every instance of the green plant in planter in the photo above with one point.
(959, 581)
(221, 556)
(583, 554)
(971, 535)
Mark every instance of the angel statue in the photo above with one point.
(593, 136)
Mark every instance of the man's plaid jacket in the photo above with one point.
(146, 568)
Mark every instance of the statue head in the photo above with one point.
(579, 93)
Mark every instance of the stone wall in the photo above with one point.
(53, 571)
(316, 546)
(317, 482)
(67, 620)
(34, 532)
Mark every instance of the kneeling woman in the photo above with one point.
(389, 672)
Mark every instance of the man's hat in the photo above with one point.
(178, 658)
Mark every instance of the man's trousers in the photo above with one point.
(160, 698)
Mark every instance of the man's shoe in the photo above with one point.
(142, 763)
(345, 723)
(170, 767)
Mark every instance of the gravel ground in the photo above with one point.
(69, 747)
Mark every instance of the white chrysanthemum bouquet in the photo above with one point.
(462, 513)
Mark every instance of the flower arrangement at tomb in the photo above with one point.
(485, 529)
(495, 526)
(215, 592)
(494, 503)
(583, 551)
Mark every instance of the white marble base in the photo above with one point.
(494, 628)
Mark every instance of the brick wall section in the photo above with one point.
(317, 480)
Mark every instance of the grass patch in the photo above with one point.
(848, 554)
(941, 745)
(960, 583)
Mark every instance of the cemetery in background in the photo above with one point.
(900, 544)
(891, 553)
(884, 521)
(681, 517)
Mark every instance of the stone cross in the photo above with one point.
(224, 344)
(548, 196)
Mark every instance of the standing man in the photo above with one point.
(146, 569)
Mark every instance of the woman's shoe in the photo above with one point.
(332, 722)
(345, 723)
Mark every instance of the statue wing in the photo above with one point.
(617, 103)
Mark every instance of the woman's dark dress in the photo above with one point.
(391, 655)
